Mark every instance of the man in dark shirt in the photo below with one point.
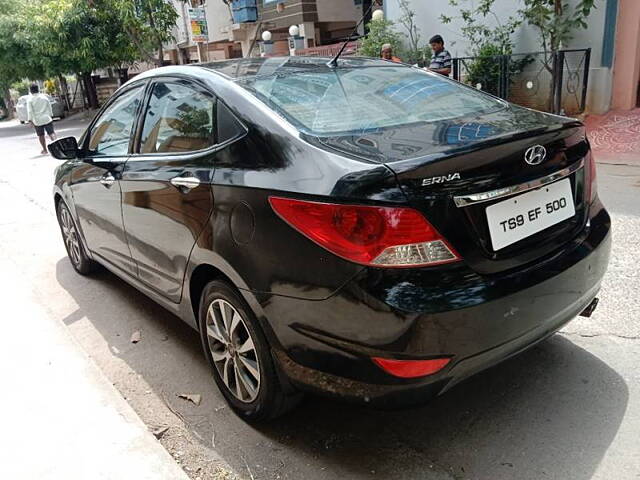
(441, 60)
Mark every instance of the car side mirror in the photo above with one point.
(64, 148)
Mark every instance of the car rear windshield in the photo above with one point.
(347, 101)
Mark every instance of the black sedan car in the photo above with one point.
(369, 230)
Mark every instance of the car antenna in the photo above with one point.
(333, 63)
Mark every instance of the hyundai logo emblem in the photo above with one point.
(535, 155)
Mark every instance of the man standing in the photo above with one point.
(40, 115)
(441, 60)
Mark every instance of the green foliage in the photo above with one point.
(383, 31)
(194, 122)
(485, 68)
(380, 32)
(21, 87)
(47, 38)
(16, 58)
(556, 21)
(488, 43)
(148, 23)
(478, 33)
(420, 56)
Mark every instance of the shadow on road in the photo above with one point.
(551, 412)
(11, 128)
(63, 127)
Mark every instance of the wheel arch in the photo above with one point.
(201, 275)
(206, 272)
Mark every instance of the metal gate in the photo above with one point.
(549, 81)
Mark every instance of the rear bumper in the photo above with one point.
(326, 345)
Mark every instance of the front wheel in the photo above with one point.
(75, 250)
(239, 355)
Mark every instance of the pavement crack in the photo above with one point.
(592, 335)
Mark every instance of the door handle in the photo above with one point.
(187, 183)
(107, 179)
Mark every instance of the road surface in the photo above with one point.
(568, 409)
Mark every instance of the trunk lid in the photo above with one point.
(440, 163)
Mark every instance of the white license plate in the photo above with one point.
(520, 217)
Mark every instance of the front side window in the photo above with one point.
(354, 100)
(179, 119)
(111, 134)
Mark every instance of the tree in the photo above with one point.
(478, 32)
(380, 32)
(73, 36)
(16, 58)
(415, 53)
(489, 42)
(41, 39)
(148, 23)
(556, 23)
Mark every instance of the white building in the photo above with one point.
(606, 22)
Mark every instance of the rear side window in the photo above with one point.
(229, 127)
(111, 133)
(179, 118)
(354, 100)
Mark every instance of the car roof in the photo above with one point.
(238, 69)
(243, 69)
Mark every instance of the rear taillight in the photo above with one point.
(590, 180)
(411, 368)
(376, 236)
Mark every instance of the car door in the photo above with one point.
(95, 179)
(166, 184)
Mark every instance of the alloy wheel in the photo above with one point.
(233, 350)
(70, 235)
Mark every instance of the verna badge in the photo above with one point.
(441, 179)
(535, 155)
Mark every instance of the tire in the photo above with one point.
(253, 390)
(71, 237)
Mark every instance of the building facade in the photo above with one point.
(235, 27)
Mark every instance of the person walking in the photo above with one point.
(386, 52)
(441, 60)
(40, 114)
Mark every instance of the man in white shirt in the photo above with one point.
(39, 113)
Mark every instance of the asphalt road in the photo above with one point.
(568, 409)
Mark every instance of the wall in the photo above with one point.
(181, 29)
(627, 61)
(525, 38)
(338, 11)
(295, 12)
(218, 16)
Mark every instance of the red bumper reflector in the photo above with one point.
(410, 368)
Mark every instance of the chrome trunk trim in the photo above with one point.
(475, 198)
